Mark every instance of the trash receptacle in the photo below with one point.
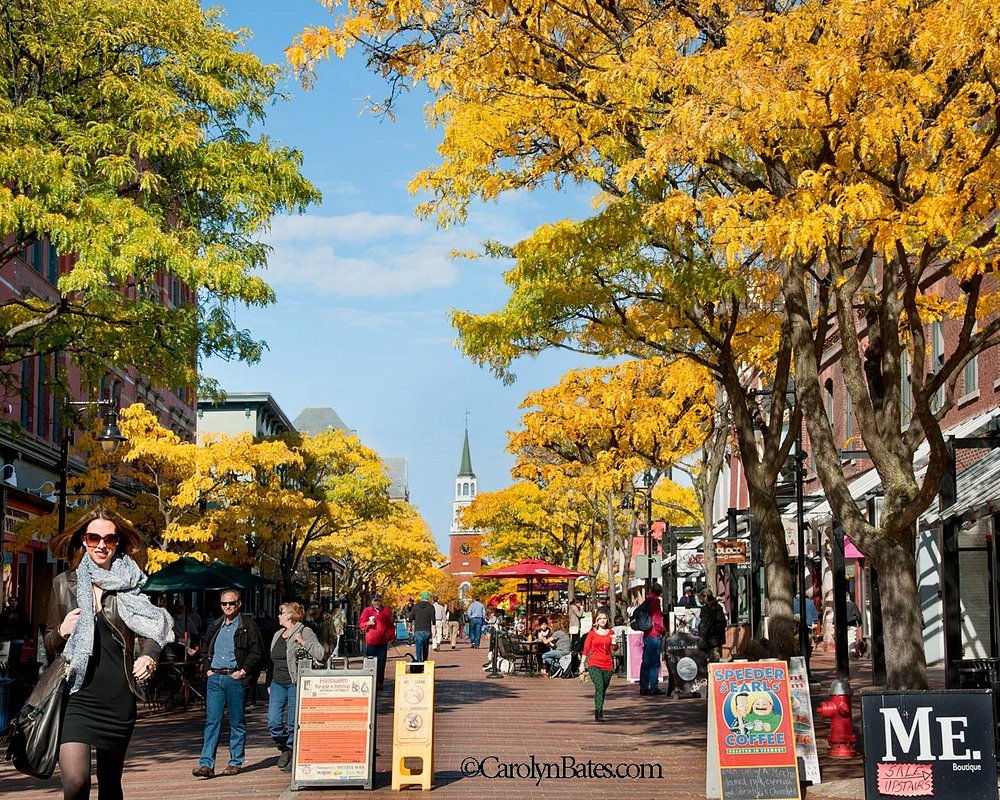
(5, 684)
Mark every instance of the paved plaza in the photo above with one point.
(514, 718)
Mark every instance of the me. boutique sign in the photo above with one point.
(929, 744)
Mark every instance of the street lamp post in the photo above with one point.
(800, 457)
(642, 511)
(110, 437)
(648, 544)
(320, 564)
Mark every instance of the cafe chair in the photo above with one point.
(510, 650)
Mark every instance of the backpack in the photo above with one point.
(641, 619)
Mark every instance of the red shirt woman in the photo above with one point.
(597, 649)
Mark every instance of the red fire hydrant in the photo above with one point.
(838, 710)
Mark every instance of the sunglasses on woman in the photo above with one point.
(94, 539)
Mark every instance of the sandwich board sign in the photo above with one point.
(751, 744)
(335, 728)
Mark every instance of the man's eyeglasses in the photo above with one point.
(94, 539)
(229, 603)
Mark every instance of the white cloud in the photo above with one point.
(371, 255)
(359, 255)
(362, 226)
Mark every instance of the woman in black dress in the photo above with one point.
(96, 617)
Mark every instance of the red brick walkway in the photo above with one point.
(515, 719)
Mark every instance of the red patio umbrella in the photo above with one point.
(531, 568)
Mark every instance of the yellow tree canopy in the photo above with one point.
(648, 412)
(838, 158)
(126, 149)
(385, 555)
(204, 495)
(526, 521)
(337, 485)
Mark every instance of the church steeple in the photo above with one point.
(466, 544)
(465, 468)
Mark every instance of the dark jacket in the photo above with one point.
(423, 616)
(64, 600)
(712, 625)
(246, 641)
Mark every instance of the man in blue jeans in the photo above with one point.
(232, 650)
(422, 617)
(477, 616)
(652, 645)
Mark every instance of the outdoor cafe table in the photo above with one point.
(534, 648)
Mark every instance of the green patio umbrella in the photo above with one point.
(186, 575)
(237, 578)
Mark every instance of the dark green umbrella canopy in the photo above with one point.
(237, 578)
(190, 575)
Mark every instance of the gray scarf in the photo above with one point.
(135, 609)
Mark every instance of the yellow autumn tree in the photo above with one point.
(515, 111)
(390, 556)
(261, 503)
(837, 157)
(590, 435)
(524, 520)
(132, 168)
(196, 495)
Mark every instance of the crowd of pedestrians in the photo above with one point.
(233, 647)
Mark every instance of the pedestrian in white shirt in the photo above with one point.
(440, 615)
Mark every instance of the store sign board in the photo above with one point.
(929, 744)
(731, 551)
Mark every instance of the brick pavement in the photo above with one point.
(513, 718)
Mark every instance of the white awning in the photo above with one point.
(865, 484)
(978, 488)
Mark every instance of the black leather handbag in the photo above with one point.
(33, 736)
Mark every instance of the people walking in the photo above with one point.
(338, 626)
(377, 625)
(422, 618)
(652, 645)
(598, 648)
(687, 599)
(711, 627)
(440, 617)
(232, 652)
(575, 614)
(15, 627)
(320, 624)
(477, 616)
(855, 637)
(290, 645)
(455, 615)
(96, 615)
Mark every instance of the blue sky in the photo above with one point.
(364, 288)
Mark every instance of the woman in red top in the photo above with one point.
(597, 650)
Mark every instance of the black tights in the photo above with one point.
(74, 764)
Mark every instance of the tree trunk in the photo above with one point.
(902, 622)
(781, 627)
(610, 557)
